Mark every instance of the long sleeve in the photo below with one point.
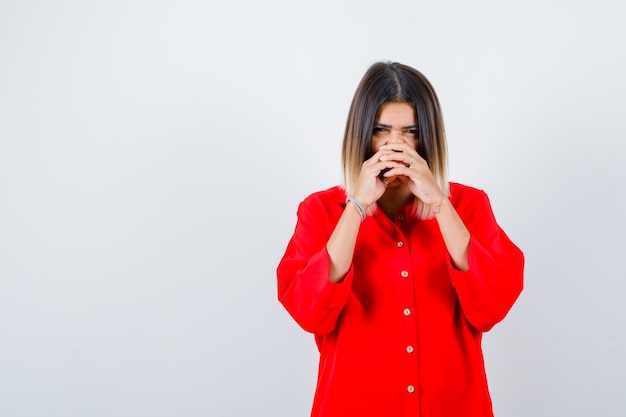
(494, 280)
(303, 285)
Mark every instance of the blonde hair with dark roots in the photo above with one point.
(386, 82)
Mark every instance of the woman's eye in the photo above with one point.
(412, 131)
(379, 129)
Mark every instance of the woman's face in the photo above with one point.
(395, 123)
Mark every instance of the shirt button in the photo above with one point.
(400, 217)
(410, 389)
(409, 349)
(404, 274)
(407, 312)
(400, 244)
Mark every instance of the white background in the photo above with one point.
(153, 153)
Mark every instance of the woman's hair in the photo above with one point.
(386, 82)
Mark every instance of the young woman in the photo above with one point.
(398, 273)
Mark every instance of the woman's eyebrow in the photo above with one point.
(389, 126)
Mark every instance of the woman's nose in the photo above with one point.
(396, 137)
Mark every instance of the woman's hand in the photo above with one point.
(413, 170)
(370, 187)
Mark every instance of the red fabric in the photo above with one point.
(372, 350)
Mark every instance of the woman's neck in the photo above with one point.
(393, 199)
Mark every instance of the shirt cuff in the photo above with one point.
(330, 295)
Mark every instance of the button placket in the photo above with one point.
(407, 311)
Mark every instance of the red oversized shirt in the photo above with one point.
(401, 335)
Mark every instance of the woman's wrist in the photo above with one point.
(436, 208)
(357, 204)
